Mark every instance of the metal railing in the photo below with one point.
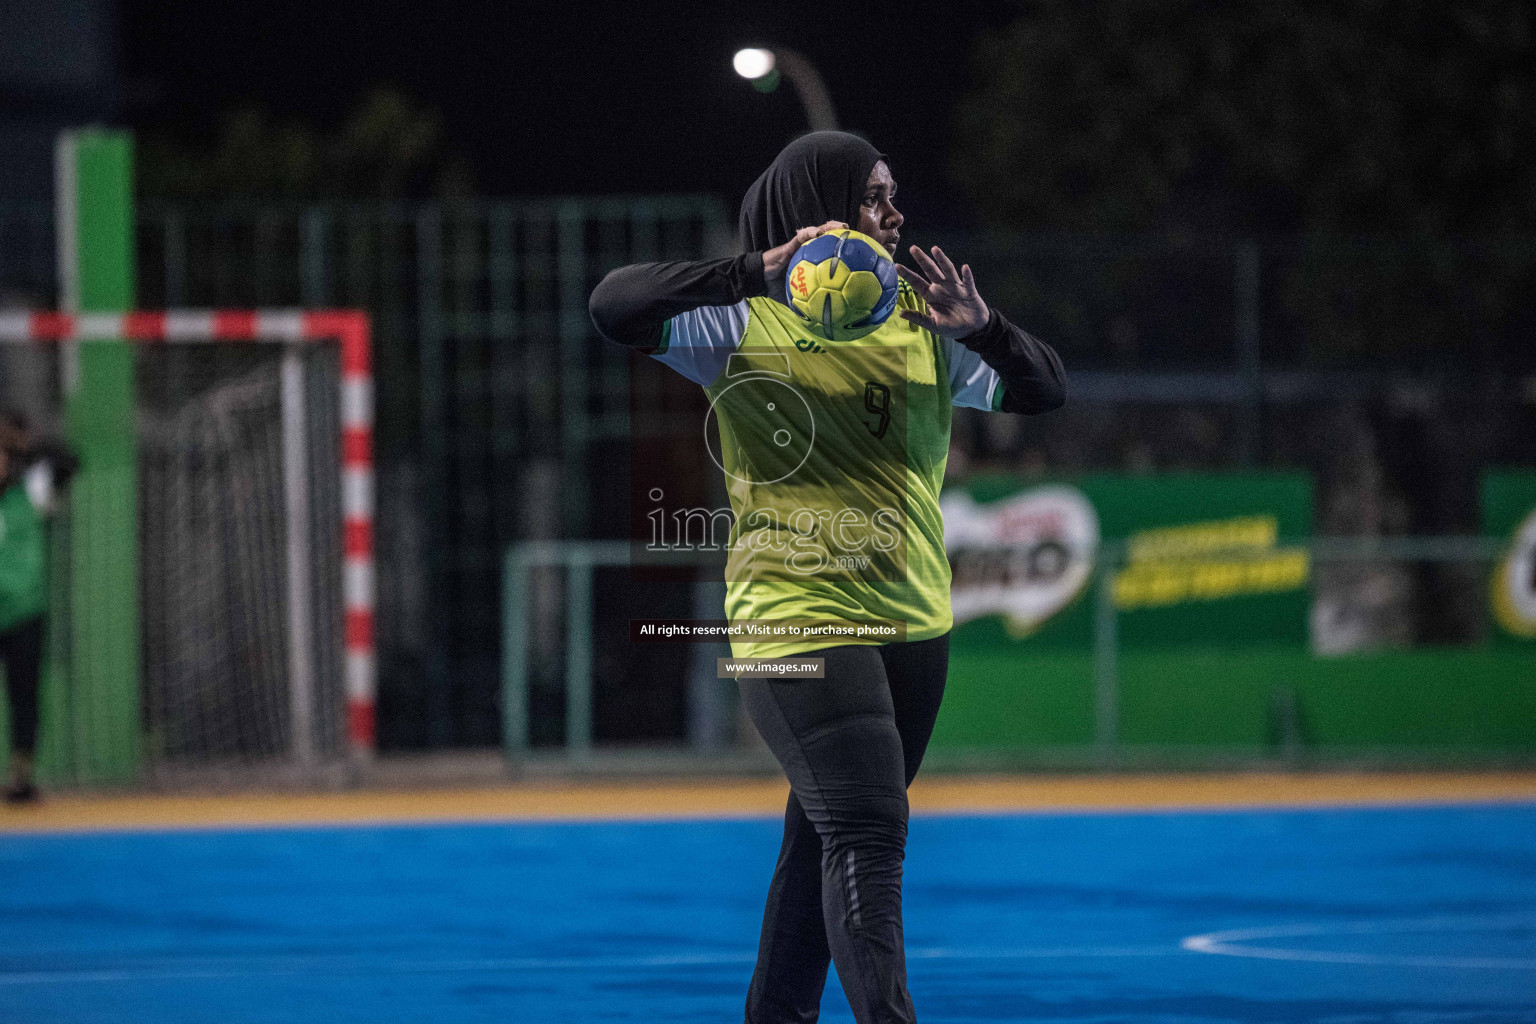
(580, 560)
(1111, 557)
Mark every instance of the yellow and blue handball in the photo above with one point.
(842, 283)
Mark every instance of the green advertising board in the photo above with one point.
(1208, 560)
(1509, 512)
(1210, 584)
(1211, 660)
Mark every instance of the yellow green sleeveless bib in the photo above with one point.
(833, 455)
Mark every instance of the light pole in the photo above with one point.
(760, 65)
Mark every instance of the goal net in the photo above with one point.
(253, 442)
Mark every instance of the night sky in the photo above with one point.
(570, 98)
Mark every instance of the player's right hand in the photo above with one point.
(777, 258)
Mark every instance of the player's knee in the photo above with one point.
(873, 822)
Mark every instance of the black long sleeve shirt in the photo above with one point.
(632, 304)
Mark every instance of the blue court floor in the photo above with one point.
(1413, 916)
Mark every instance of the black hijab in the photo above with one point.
(817, 178)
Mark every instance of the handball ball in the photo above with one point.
(842, 283)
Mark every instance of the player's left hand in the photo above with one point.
(955, 310)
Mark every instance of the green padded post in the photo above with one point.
(100, 743)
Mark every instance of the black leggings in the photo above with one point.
(21, 651)
(850, 744)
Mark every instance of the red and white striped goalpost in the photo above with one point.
(350, 329)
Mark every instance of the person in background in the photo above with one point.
(31, 473)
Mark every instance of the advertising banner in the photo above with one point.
(1509, 511)
(1203, 559)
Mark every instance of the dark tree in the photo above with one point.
(1253, 116)
(388, 147)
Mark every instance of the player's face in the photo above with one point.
(878, 217)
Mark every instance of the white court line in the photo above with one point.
(1232, 943)
(1224, 943)
(1065, 952)
(153, 970)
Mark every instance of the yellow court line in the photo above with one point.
(578, 801)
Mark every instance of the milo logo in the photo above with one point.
(1025, 557)
(1514, 585)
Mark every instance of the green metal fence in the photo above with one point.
(1502, 725)
(498, 405)
(502, 418)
